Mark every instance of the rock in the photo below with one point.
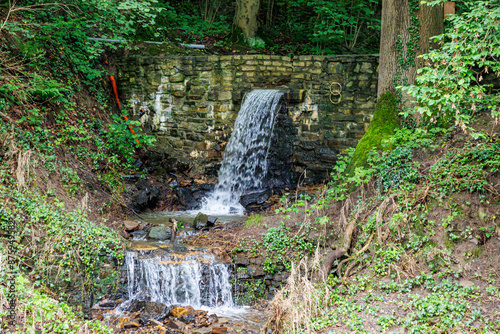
(257, 198)
(137, 306)
(179, 312)
(191, 197)
(124, 320)
(255, 271)
(131, 226)
(156, 311)
(219, 330)
(146, 197)
(211, 221)
(131, 324)
(200, 221)
(202, 331)
(241, 260)
(213, 319)
(186, 198)
(187, 319)
(159, 232)
(124, 234)
(145, 226)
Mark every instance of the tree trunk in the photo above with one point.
(399, 43)
(246, 16)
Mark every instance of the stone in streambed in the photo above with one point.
(154, 310)
(131, 226)
(203, 221)
(179, 312)
(131, 324)
(159, 232)
(187, 319)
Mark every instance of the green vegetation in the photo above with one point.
(383, 125)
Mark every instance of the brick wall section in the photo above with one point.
(190, 103)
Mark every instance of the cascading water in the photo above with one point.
(244, 166)
(194, 279)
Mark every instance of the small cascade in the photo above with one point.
(194, 279)
(244, 166)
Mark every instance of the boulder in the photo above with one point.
(159, 232)
(131, 226)
(156, 311)
(200, 221)
(256, 198)
(186, 198)
(146, 196)
(191, 197)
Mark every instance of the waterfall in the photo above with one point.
(194, 279)
(244, 164)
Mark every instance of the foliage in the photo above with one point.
(383, 125)
(39, 313)
(451, 88)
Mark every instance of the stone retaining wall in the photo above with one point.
(190, 103)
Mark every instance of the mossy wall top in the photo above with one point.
(190, 103)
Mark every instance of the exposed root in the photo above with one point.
(339, 252)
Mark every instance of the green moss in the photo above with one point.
(384, 124)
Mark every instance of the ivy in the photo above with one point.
(451, 87)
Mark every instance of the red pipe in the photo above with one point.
(115, 91)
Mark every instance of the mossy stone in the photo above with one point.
(384, 124)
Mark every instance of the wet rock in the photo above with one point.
(219, 330)
(202, 331)
(159, 232)
(213, 319)
(137, 306)
(186, 198)
(203, 221)
(156, 311)
(187, 319)
(191, 197)
(124, 234)
(200, 221)
(179, 312)
(146, 197)
(131, 226)
(131, 324)
(138, 234)
(257, 198)
(145, 226)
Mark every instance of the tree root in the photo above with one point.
(341, 251)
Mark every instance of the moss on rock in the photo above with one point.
(384, 124)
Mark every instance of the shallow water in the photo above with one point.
(186, 216)
(250, 318)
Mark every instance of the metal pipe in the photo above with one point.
(191, 46)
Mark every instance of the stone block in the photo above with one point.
(225, 96)
(246, 68)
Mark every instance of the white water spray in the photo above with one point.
(244, 166)
(197, 280)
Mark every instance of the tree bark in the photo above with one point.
(246, 16)
(396, 23)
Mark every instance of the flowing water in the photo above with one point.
(176, 275)
(195, 279)
(244, 166)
